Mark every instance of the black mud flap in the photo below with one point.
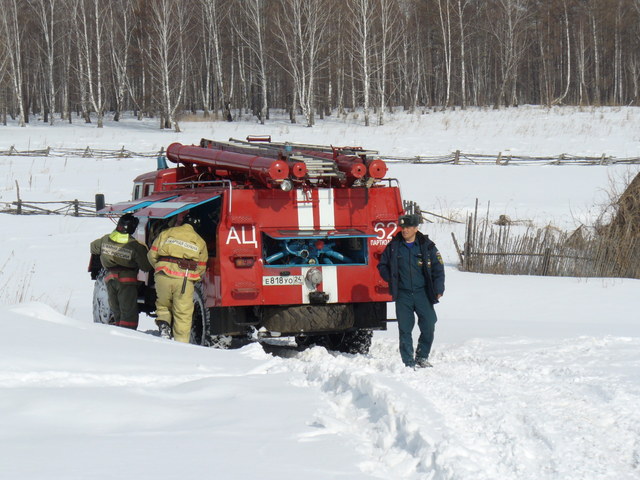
(372, 315)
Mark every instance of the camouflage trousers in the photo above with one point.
(123, 302)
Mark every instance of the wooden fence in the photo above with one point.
(87, 152)
(460, 158)
(507, 249)
(453, 158)
(74, 208)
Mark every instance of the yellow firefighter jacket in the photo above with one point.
(175, 245)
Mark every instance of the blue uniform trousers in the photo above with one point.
(407, 303)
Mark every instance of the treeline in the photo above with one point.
(165, 58)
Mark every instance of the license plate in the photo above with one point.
(282, 280)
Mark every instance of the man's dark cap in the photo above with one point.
(412, 220)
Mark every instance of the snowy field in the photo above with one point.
(534, 378)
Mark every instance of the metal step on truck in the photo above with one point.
(294, 234)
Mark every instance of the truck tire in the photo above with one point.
(354, 342)
(357, 341)
(201, 318)
(101, 311)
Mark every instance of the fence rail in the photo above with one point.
(461, 158)
(74, 208)
(87, 152)
(453, 158)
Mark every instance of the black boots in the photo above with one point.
(165, 329)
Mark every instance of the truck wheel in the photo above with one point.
(354, 342)
(101, 310)
(358, 341)
(201, 318)
(223, 342)
(306, 341)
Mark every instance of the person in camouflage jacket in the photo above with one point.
(121, 256)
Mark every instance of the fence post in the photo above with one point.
(456, 158)
(466, 263)
(546, 260)
(76, 208)
(19, 204)
(460, 255)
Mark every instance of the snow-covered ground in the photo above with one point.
(534, 378)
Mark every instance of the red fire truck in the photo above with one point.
(294, 234)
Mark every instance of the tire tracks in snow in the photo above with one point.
(389, 423)
(489, 409)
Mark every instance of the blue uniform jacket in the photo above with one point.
(432, 268)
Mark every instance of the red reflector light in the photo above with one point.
(244, 262)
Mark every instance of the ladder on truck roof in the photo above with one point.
(317, 167)
(266, 141)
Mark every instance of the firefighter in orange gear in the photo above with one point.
(122, 256)
(179, 256)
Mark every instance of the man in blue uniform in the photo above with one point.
(413, 267)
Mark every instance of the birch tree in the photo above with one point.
(581, 61)
(253, 34)
(387, 46)
(362, 12)
(591, 7)
(4, 60)
(92, 27)
(510, 31)
(168, 56)
(206, 59)
(120, 41)
(215, 15)
(461, 7)
(12, 32)
(444, 11)
(617, 57)
(301, 24)
(64, 64)
(46, 15)
(634, 63)
(564, 94)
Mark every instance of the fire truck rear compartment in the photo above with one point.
(305, 248)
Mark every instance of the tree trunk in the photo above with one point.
(13, 38)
